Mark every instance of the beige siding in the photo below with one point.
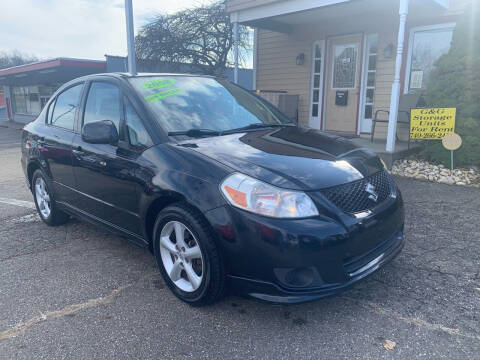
(235, 5)
(277, 69)
(384, 79)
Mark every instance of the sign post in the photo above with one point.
(451, 142)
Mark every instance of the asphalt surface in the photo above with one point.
(9, 134)
(76, 291)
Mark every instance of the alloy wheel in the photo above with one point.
(42, 197)
(181, 256)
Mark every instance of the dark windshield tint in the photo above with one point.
(181, 103)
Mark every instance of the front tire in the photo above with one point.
(187, 255)
(45, 201)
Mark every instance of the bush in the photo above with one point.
(456, 83)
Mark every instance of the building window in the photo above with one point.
(31, 99)
(344, 66)
(426, 46)
(316, 85)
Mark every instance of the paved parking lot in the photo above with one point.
(78, 292)
(9, 134)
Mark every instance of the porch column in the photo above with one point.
(234, 18)
(8, 102)
(255, 59)
(395, 97)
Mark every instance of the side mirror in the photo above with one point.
(100, 132)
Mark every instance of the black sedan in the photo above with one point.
(216, 182)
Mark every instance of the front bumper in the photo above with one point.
(271, 292)
(291, 261)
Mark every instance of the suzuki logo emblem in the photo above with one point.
(371, 190)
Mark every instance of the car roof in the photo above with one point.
(124, 75)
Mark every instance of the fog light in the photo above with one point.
(298, 277)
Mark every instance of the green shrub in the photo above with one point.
(456, 83)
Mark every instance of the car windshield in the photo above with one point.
(182, 103)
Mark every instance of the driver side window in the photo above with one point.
(103, 103)
(136, 133)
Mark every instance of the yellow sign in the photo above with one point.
(452, 141)
(432, 123)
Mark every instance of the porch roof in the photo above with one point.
(283, 15)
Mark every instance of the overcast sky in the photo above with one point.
(75, 28)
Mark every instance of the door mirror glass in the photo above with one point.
(100, 132)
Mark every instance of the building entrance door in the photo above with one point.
(343, 83)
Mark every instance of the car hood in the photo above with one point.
(290, 157)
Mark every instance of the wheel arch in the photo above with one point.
(31, 167)
(160, 203)
(154, 209)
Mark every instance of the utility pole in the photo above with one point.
(234, 20)
(132, 65)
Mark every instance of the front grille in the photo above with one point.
(358, 264)
(353, 198)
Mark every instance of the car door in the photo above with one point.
(104, 173)
(56, 141)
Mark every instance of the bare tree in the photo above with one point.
(14, 58)
(201, 36)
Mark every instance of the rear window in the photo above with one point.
(193, 102)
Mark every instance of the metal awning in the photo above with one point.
(283, 16)
(58, 70)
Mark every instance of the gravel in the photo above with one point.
(423, 170)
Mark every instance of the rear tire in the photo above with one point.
(194, 250)
(45, 200)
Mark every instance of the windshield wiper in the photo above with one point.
(209, 132)
(257, 126)
(195, 133)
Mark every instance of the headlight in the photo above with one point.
(258, 197)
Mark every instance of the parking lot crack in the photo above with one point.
(413, 320)
(56, 314)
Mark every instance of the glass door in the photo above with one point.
(368, 83)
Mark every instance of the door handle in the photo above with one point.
(78, 151)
